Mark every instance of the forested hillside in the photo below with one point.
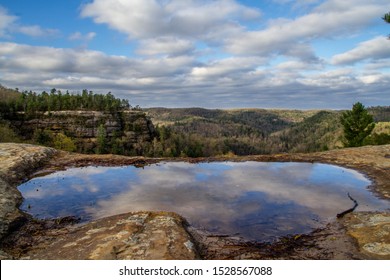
(100, 123)
(201, 132)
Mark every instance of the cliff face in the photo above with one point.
(125, 130)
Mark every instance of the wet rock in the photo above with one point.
(10, 199)
(132, 236)
(328, 243)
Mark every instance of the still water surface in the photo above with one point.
(254, 200)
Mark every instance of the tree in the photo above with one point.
(386, 17)
(44, 137)
(378, 139)
(358, 124)
(7, 134)
(63, 142)
(101, 140)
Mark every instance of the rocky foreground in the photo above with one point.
(163, 235)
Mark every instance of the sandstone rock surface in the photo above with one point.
(16, 163)
(131, 236)
(130, 127)
(148, 235)
(372, 232)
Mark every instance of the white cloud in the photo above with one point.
(222, 24)
(378, 64)
(336, 5)
(332, 79)
(327, 21)
(165, 45)
(377, 48)
(151, 18)
(6, 20)
(159, 24)
(228, 67)
(184, 81)
(9, 24)
(212, 54)
(75, 68)
(297, 65)
(35, 31)
(371, 78)
(82, 37)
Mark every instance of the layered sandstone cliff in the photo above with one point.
(125, 128)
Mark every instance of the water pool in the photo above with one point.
(253, 200)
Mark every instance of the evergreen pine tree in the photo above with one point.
(358, 124)
(386, 18)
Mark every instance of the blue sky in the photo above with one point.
(304, 54)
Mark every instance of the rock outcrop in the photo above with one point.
(162, 235)
(131, 236)
(372, 232)
(17, 161)
(127, 127)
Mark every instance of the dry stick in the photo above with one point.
(340, 215)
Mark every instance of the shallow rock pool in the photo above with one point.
(253, 200)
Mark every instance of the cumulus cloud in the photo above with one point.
(171, 27)
(298, 65)
(339, 78)
(378, 64)
(373, 78)
(151, 18)
(165, 45)
(211, 54)
(229, 67)
(377, 48)
(75, 68)
(161, 24)
(330, 19)
(184, 81)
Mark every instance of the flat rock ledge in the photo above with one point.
(165, 235)
(131, 236)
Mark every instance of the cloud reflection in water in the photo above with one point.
(253, 199)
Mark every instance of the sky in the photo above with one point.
(303, 54)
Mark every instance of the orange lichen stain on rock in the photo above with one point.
(372, 232)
